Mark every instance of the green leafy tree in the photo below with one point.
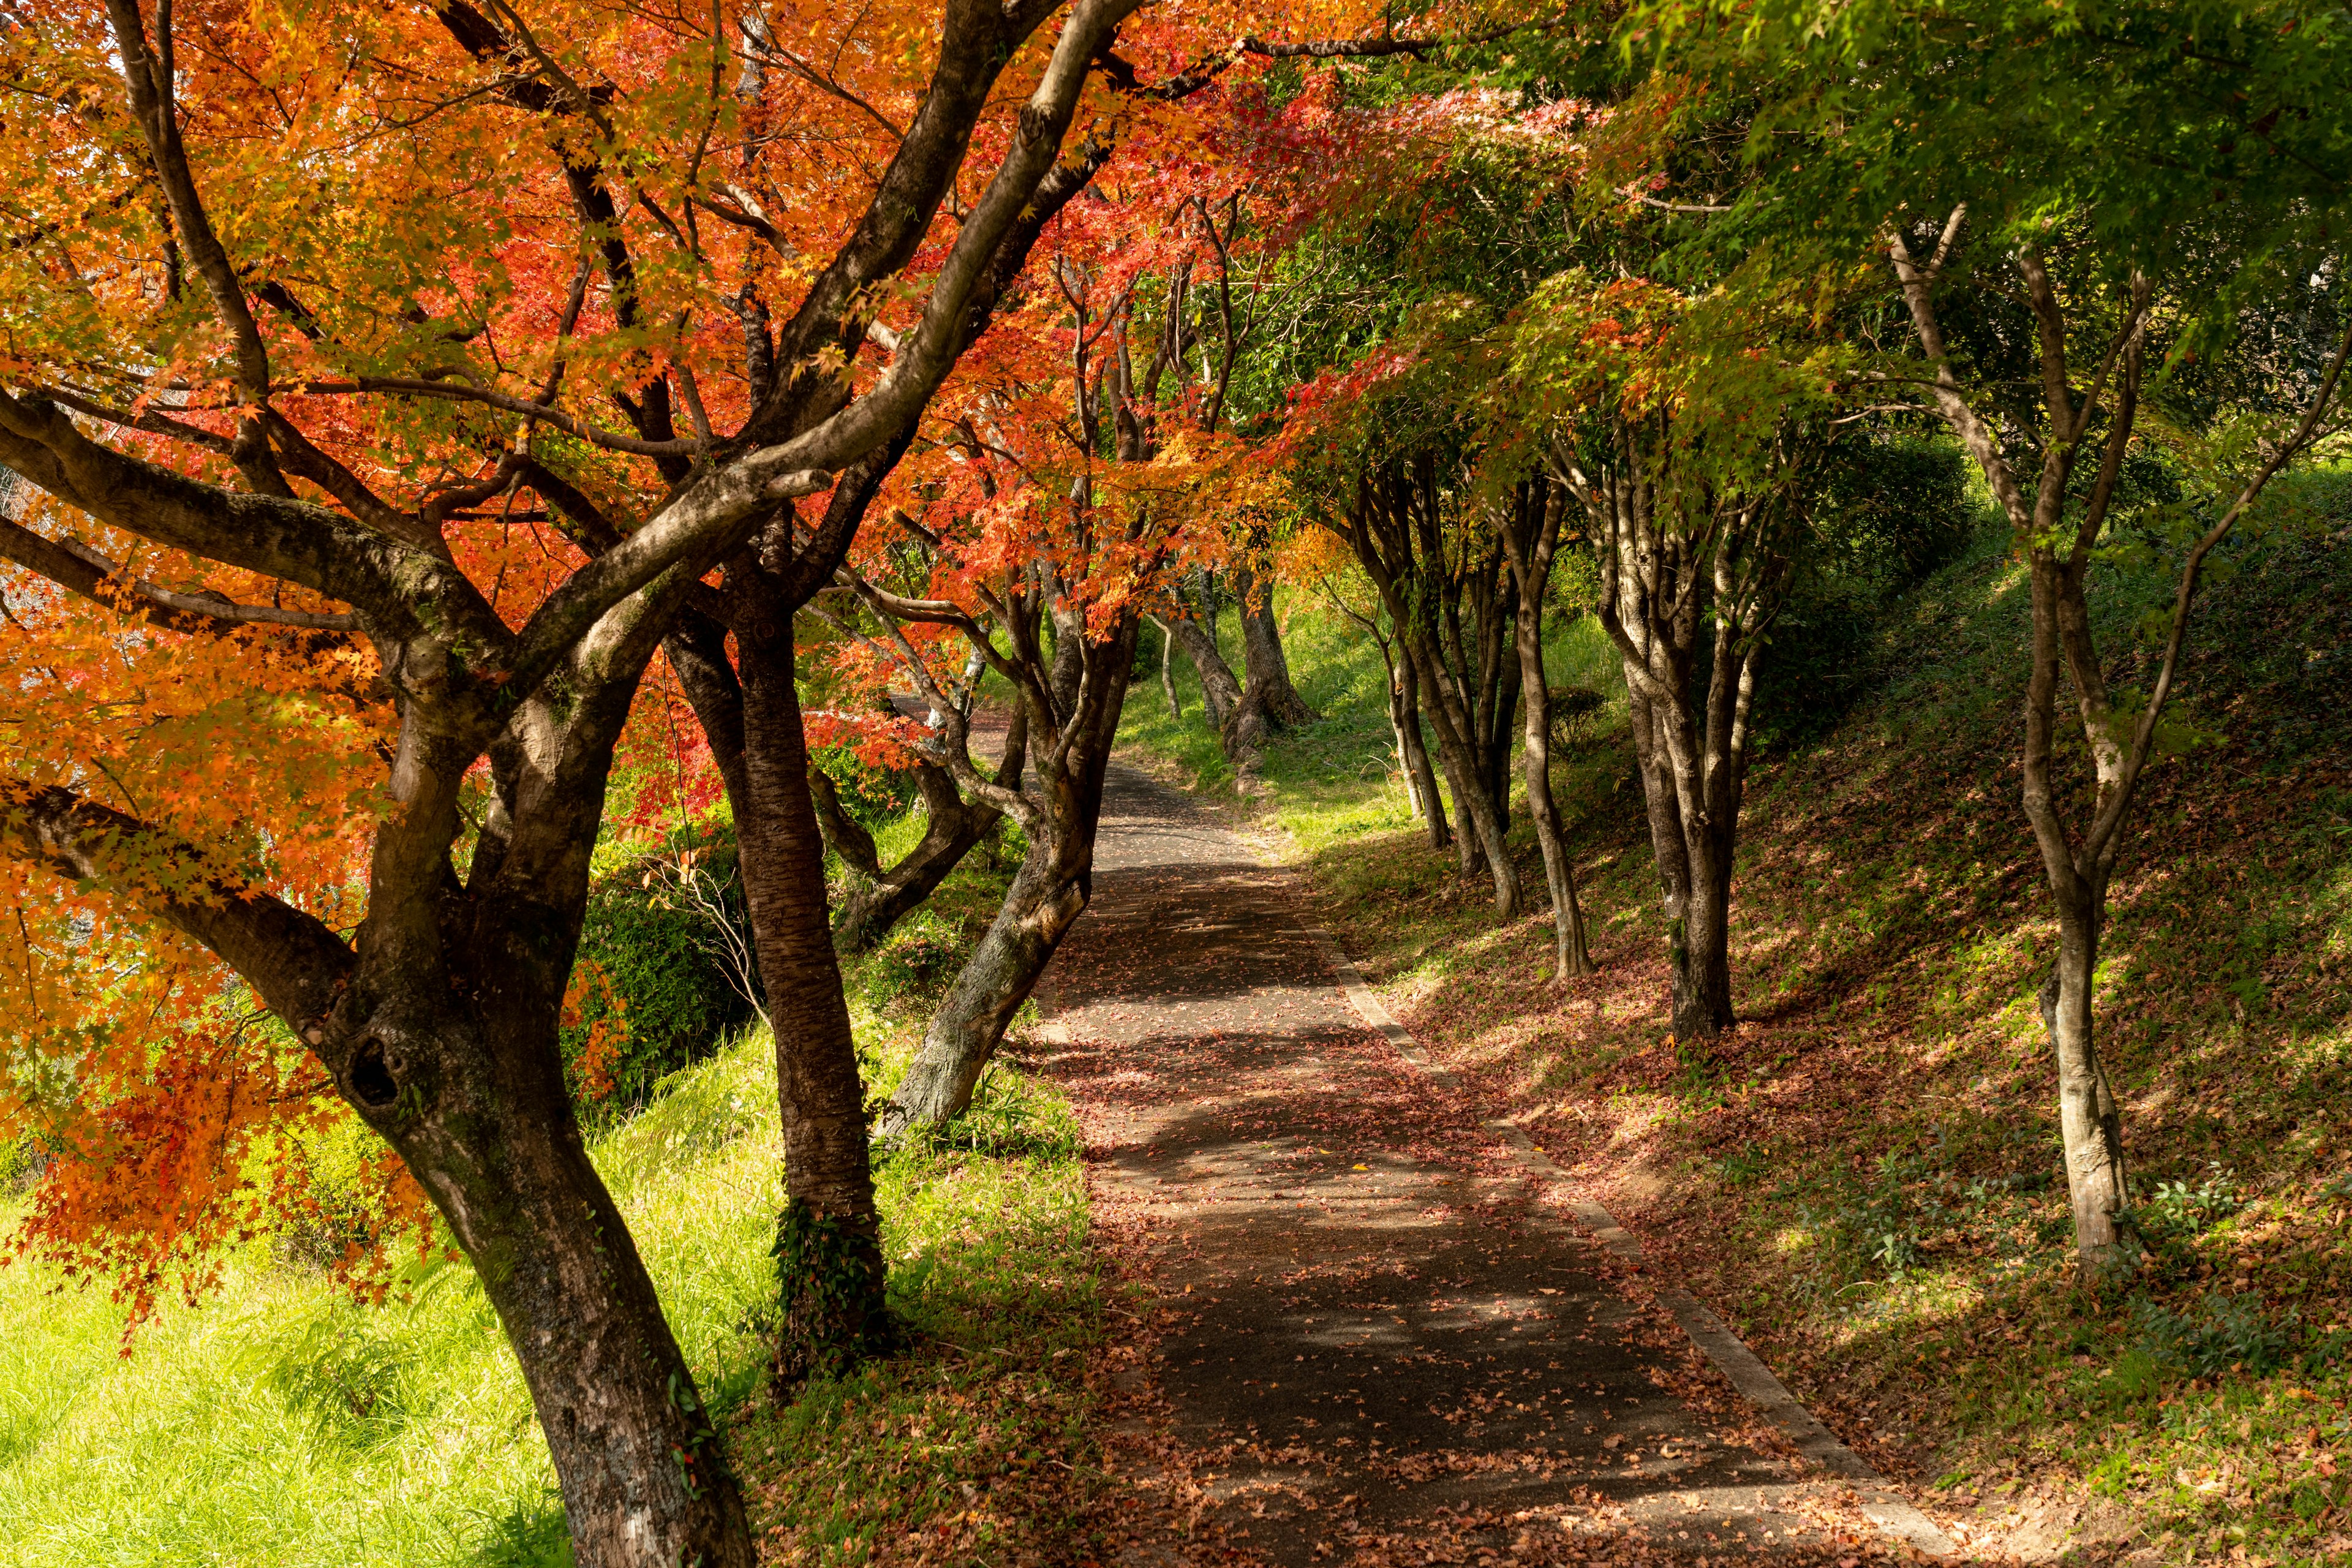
(2107, 230)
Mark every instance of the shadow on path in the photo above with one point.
(1377, 1336)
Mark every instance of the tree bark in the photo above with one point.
(1168, 669)
(1266, 668)
(1220, 694)
(1048, 894)
(831, 1279)
(1398, 529)
(642, 1471)
(1405, 714)
(2090, 1120)
(1486, 838)
(1531, 537)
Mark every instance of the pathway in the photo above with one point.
(1380, 1337)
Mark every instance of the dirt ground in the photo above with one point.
(1372, 1334)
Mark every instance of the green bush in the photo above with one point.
(1889, 513)
(922, 954)
(872, 795)
(650, 954)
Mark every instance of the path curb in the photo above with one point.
(1747, 1372)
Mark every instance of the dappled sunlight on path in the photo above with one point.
(1375, 1335)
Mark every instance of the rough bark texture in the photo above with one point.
(1530, 528)
(833, 1303)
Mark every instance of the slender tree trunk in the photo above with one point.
(831, 1248)
(1266, 668)
(1168, 669)
(1046, 900)
(1220, 694)
(1472, 797)
(1570, 956)
(880, 898)
(1404, 694)
(1048, 894)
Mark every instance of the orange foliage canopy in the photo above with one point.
(503, 282)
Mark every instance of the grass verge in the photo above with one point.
(278, 1424)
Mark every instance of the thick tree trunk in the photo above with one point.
(643, 1473)
(1266, 668)
(1699, 946)
(830, 1251)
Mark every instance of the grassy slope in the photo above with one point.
(1866, 1177)
(278, 1424)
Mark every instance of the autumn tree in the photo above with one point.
(1054, 515)
(2110, 235)
(431, 361)
(1687, 428)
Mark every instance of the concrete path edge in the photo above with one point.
(1747, 1372)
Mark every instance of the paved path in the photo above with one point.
(1380, 1329)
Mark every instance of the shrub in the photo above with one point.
(919, 958)
(1889, 513)
(2218, 1334)
(873, 795)
(653, 991)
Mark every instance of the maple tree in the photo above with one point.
(394, 391)
(2113, 239)
(389, 384)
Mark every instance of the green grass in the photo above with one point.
(277, 1423)
(1865, 1178)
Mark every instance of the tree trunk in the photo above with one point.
(643, 1473)
(1044, 900)
(2090, 1121)
(1570, 956)
(1472, 797)
(1266, 668)
(1048, 894)
(1220, 694)
(1168, 669)
(1699, 946)
(831, 1246)
(1404, 713)
(476, 1106)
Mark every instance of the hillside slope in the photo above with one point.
(1865, 1177)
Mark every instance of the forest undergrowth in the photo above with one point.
(1865, 1176)
(279, 1423)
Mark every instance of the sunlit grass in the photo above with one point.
(278, 1424)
